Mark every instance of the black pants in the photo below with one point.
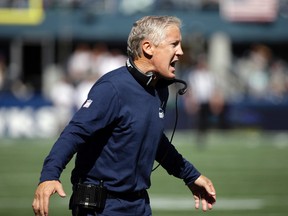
(204, 118)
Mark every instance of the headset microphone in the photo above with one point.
(183, 90)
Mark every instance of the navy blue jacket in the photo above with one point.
(117, 134)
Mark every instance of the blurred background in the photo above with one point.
(235, 64)
(52, 51)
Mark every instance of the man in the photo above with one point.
(205, 99)
(119, 132)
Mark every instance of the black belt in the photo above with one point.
(128, 195)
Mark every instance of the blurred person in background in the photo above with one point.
(278, 81)
(253, 71)
(79, 62)
(119, 132)
(99, 55)
(104, 60)
(205, 100)
(62, 97)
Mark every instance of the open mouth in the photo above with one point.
(173, 63)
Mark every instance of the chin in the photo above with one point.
(168, 75)
(172, 76)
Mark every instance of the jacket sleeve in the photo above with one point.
(171, 160)
(99, 110)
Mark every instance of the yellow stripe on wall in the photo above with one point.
(32, 15)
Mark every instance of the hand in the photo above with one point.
(42, 194)
(204, 191)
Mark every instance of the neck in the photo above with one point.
(145, 67)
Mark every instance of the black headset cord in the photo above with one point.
(173, 132)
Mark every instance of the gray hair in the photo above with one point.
(151, 28)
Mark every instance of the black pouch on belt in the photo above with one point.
(89, 196)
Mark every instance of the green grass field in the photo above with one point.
(249, 170)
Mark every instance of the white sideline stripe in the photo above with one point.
(157, 203)
(178, 204)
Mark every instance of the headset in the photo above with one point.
(145, 79)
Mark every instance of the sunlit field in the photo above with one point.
(249, 170)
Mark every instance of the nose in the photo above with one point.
(180, 51)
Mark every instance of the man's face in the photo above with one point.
(167, 53)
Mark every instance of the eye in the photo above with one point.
(176, 43)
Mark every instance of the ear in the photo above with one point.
(147, 47)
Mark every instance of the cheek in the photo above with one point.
(167, 55)
(163, 58)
